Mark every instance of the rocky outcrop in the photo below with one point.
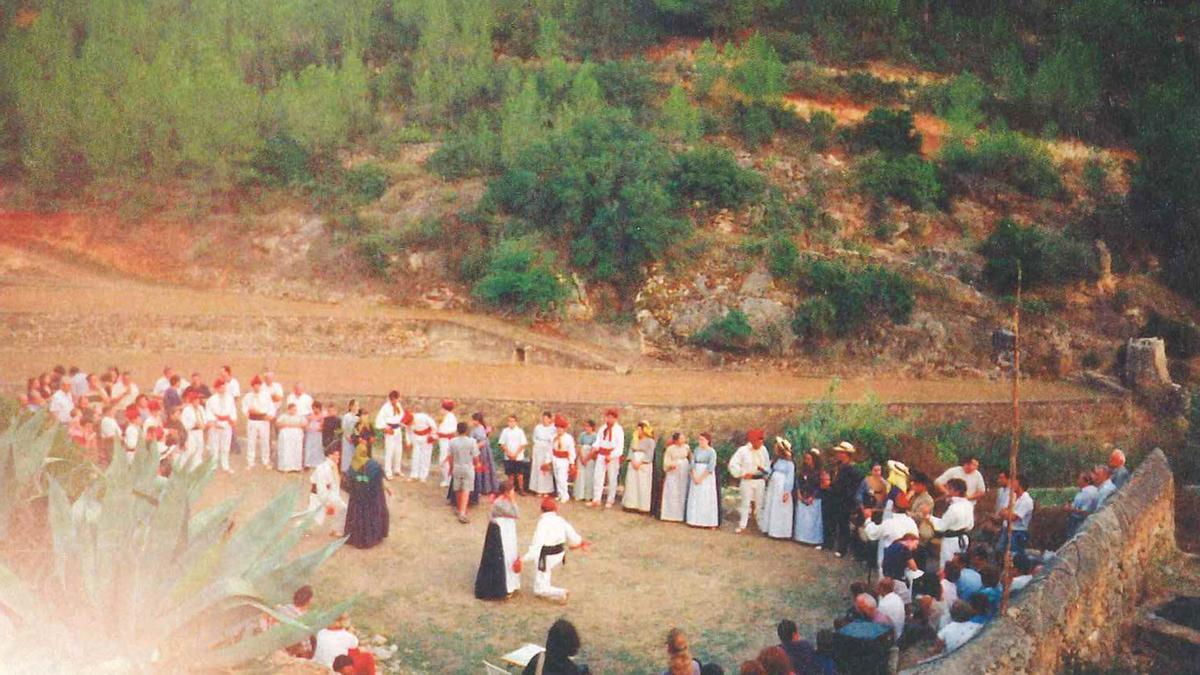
(1076, 609)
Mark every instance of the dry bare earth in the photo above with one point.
(641, 577)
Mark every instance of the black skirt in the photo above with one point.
(367, 518)
(491, 582)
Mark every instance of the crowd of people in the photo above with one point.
(938, 569)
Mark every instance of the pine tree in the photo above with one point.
(680, 120)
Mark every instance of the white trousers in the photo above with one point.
(541, 580)
(606, 468)
(317, 508)
(258, 436)
(422, 453)
(562, 472)
(219, 440)
(393, 452)
(444, 460)
(949, 548)
(752, 491)
(193, 449)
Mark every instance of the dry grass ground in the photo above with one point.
(641, 577)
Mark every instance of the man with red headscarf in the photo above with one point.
(563, 453)
(750, 464)
(610, 445)
(446, 430)
(389, 422)
(222, 414)
(553, 536)
(421, 433)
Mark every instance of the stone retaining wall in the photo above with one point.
(1078, 609)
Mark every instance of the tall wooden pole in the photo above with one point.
(1015, 445)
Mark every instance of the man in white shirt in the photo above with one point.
(422, 431)
(750, 463)
(133, 428)
(222, 413)
(304, 402)
(389, 422)
(610, 445)
(891, 605)
(334, 641)
(956, 523)
(124, 391)
(61, 403)
(889, 530)
(259, 411)
(562, 457)
(1018, 521)
(969, 473)
(325, 496)
(110, 432)
(960, 629)
(551, 539)
(273, 388)
(161, 384)
(1106, 487)
(79, 383)
(513, 443)
(231, 383)
(446, 431)
(194, 419)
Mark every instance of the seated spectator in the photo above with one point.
(969, 582)
(751, 668)
(343, 665)
(921, 626)
(1102, 477)
(800, 651)
(712, 669)
(929, 591)
(1022, 573)
(959, 630)
(680, 661)
(890, 606)
(355, 662)
(775, 661)
(949, 581)
(990, 577)
(981, 606)
(562, 642)
(1083, 504)
(856, 589)
(334, 641)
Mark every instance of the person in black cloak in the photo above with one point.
(331, 428)
(367, 518)
(496, 579)
(659, 477)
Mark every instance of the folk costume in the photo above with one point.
(222, 414)
(754, 462)
(289, 453)
(676, 481)
(954, 526)
(367, 517)
(388, 422)
(563, 457)
(704, 493)
(325, 496)
(541, 469)
(585, 467)
(422, 432)
(496, 579)
(775, 516)
(610, 446)
(349, 425)
(314, 449)
(548, 549)
(808, 493)
(446, 430)
(259, 410)
(639, 475)
(194, 419)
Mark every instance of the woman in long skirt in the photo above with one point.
(496, 579)
(586, 462)
(676, 480)
(809, 529)
(289, 455)
(349, 424)
(639, 476)
(367, 518)
(314, 448)
(775, 519)
(704, 494)
(541, 470)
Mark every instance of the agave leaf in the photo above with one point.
(62, 529)
(16, 596)
(224, 593)
(277, 637)
(259, 533)
(278, 584)
(276, 553)
(165, 536)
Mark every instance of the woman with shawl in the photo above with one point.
(639, 476)
(775, 519)
(367, 517)
(496, 579)
(676, 480)
(808, 500)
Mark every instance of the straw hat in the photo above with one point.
(846, 447)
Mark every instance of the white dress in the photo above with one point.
(291, 443)
(542, 482)
(675, 484)
(809, 528)
(702, 505)
(775, 517)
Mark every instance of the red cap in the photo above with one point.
(612, 411)
(255, 381)
(447, 404)
(153, 405)
(218, 383)
(407, 418)
(754, 435)
(560, 421)
(549, 504)
(132, 414)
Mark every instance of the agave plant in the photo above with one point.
(24, 451)
(138, 582)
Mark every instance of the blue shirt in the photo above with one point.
(969, 583)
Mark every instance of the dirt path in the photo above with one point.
(34, 284)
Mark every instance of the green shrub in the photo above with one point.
(520, 277)
(731, 332)
(907, 178)
(821, 128)
(776, 214)
(281, 161)
(710, 174)
(864, 86)
(791, 46)
(868, 425)
(889, 131)
(366, 182)
(844, 297)
(378, 250)
(628, 83)
(758, 73)
(471, 148)
(679, 119)
(1095, 177)
(807, 79)
(1006, 156)
(754, 123)
(783, 257)
(1044, 257)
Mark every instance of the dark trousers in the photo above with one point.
(837, 529)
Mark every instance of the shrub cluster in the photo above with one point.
(887, 130)
(907, 178)
(730, 332)
(520, 275)
(711, 174)
(1044, 257)
(844, 297)
(1005, 156)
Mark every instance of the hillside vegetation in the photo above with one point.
(829, 180)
